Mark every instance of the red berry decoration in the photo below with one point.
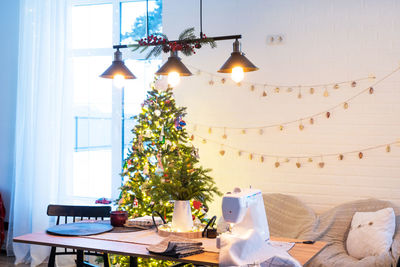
(198, 46)
(197, 204)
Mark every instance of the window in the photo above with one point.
(102, 113)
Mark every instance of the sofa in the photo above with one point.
(290, 217)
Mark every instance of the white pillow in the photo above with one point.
(371, 233)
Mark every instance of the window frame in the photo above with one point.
(117, 116)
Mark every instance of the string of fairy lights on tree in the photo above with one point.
(310, 119)
(299, 160)
(266, 89)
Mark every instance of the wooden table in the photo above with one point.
(301, 252)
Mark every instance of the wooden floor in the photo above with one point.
(9, 261)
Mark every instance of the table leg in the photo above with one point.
(133, 261)
(79, 258)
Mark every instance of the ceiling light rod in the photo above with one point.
(189, 41)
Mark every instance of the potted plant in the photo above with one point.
(181, 181)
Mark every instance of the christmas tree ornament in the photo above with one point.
(301, 126)
(328, 114)
(277, 90)
(264, 93)
(157, 112)
(262, 158)
(280, 127)
(195, 152)
(345, 105)
(312, 90)
(204, 141)
(239, 153)
(336, 86)
(371, 90)
(239, 84)
(360, 155)
(388, 148)
(252, 87)
(250, 156)
(289, 89)
(222, 152)
(243, 131)
(321, 164)
(326, 93)
(287, 160)
(260, 131)
(310, 160)
(340, 157)
(146, 169)
(277, 164)
(209, 130)
(353, 84)
(311, 121)
(192, 137)
(223, 80)
(298, 164)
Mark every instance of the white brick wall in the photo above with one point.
(325, 41)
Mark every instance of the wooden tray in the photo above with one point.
(191, 235)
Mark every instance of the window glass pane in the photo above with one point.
(92, 26)
(133, 19)
(92, 94)
(92, 173)
(93, 112)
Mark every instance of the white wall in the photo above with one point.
(325, 41)
(9, 21)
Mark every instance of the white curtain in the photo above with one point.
(44, 119)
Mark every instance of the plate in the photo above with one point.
(79, 229)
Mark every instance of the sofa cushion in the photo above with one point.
(288, 216)
(371, 233)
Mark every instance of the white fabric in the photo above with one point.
(371, 233)
(44, 116)
(250, 249)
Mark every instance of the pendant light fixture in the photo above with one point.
(237, 64)
(174, 68)
(118, 71)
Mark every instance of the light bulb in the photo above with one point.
(173, 78)
(119, 81)
(237, 74)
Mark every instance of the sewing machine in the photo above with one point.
(244, 210)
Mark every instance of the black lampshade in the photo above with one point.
(237, 59)
(174, 63)
(118, 68)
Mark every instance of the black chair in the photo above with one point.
(70, 214)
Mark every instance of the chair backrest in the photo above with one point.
(82, 212)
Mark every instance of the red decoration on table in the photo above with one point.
(118, 218)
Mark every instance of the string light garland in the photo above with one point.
(277, 88)
(300, 160)
(310, 118)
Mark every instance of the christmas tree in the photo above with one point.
(162, 164)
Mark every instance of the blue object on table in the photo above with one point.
(79, 229)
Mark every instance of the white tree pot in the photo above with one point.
(182, 216)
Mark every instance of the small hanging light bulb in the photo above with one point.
(237, 74)
(173, 78)
(119, 81)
